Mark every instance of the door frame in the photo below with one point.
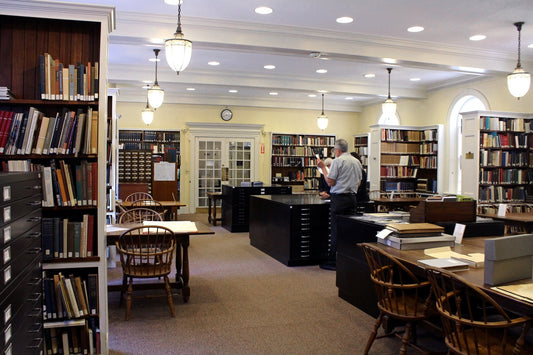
(199, 130)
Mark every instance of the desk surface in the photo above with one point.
(474, 276)
(163, 203)
(384, 200)
(514, 217)
(114, 234)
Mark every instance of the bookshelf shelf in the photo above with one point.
(72, 35)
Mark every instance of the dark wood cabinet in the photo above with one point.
(236, 203)
(21, 279)
(292, 229)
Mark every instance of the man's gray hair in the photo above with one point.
(342, 145)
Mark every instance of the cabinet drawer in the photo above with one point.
(18, 227)
(10, 212)
(26, 332)
(30, 241)
(16, 186)
(11, 272)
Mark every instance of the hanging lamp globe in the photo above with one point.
(147, 114)
(178, 50)
(389, 106)
(322, 120)
(156, 95)
(519, 81)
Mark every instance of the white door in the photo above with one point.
(222, 161)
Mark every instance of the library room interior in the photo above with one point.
(266, 177)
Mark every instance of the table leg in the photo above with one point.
(214, 211)
(209, 210)
(186, 291)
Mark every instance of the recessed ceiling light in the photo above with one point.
(263, 10)
(273, 93)
(370, 75)
(157, 40)
(269, 66)
(213, 62)
(415, 79)
(348, 98)
(190, 89)
(147, 81)
(146, 86)
(530, 46)
(311, 95)
(477, 37)
(321, 71)
(153, 59)
(322, 91)
(415, 29)
(173, 2)
(389, 60)
(233, 91)
(344, 19)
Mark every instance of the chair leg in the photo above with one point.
(405, 339)
(169, 296)
(373, 334)
(123, 289)
(128, 299)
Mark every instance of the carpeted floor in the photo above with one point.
(243, 302)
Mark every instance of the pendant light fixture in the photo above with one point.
(518, 81)
(178, 50)
(155, 93)
(322, 120)
(389, 106)
(147, 114)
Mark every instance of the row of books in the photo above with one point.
(505, 176)
(429, 148)
(5, 93)
(509, 208)
(501, 194)
(63, 238)
(505, 158)
(311, 184)
(32, 132)
(400, 147)
(408, 136)
(70, 297)
(397, 186)
(398, 172)
(361, 141)
(299, 151)
(69, 82)
(505, 124)
(74, 184)
(505, 140)
(82, 339)
(402, 160)
(426, 185)
(428, 162)
(293, 161)
(302, 140)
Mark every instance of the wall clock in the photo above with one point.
(226, 114)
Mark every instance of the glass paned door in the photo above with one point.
(222, 161)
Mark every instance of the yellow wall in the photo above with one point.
(175, 116)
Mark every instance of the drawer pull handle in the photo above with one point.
(34, 219)
(37, 330)
(34, 203)
(34, 235)
(36, 346)
(36, 250)
(36, 187)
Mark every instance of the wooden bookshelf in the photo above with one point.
(294, 161)
(30, 29)
(404, 158)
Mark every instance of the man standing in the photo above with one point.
(344, 177)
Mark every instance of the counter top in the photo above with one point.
(303, 199)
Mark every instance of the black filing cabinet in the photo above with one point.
(236, 203)
(20, 263)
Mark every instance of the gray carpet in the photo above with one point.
(243, 302)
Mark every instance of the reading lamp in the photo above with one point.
(389, 106)
(147, 114)
(519, 80)
(178, 50)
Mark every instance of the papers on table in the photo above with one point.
(175, 226)
(523, 292)
(473, 259)
(446, 263)
(111, 228)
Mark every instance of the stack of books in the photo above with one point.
(407, 236)
(5, 93)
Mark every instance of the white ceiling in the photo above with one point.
(230, 32)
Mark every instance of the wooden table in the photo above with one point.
(474, 276)
(182, 256)
(395, 203)
(174, 206)
(213, 197)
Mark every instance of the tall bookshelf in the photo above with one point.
(405, 158)
(294, 158)
(361, 144)
(497, 157)
(29, 29)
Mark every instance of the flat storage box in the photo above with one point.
(508, 259)
(437, 211)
